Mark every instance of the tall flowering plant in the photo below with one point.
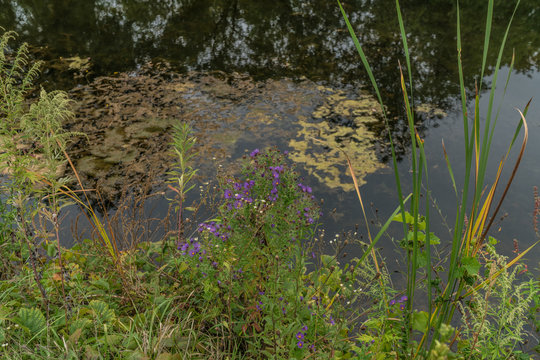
(250, 257)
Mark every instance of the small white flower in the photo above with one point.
(4, 344)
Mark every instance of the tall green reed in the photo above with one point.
(472, 221)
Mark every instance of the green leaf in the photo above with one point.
(32, 319)
(492, 241)
(79, 324)
(434, 240)
(51, 250)
(471, 265)
(101, 311)
(422, 259)
(420, 321)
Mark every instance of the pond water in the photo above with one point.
(289, 70)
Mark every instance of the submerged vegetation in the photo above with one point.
(253, 280)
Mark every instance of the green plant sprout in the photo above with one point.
(182, 173)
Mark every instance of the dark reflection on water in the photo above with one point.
(275, 38)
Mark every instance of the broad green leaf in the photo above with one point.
(420, 321)
(471, 265)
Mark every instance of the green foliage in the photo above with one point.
(32, 320)
(495, 316)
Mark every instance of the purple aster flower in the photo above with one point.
(227, 194)
(392, 302)
(300, 344)
(403, 299)
(184, 247)
(402, 307)
(304, 328)
(254, 153)
(300, 335)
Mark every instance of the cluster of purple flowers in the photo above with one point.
(399, 301)
(308, 217)
(218, 230)
(276, 171)
(191, 248)
(241, 195)
(300, 337)
(254, 153)
(305, 188)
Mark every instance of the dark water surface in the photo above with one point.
(308, 39)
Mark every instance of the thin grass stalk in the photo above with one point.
(108, 242)
(379, 98)
(412, 259)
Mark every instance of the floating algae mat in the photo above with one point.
(128, 119)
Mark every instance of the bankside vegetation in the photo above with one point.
(251, 281)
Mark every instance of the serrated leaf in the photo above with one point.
(422, 259)
(434, 240)
(32, 319)
(471, 265)
(102, 311)
(74, 338)
(492, 241)
(79, 324)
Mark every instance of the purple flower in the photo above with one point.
(254, 153)
(402, 307)
(392, 302)
(304, 328)
(184, 247)
(403, 299)
(300, 344)
(227, 194)
(300, 335)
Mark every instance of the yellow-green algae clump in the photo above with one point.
(338, 126)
